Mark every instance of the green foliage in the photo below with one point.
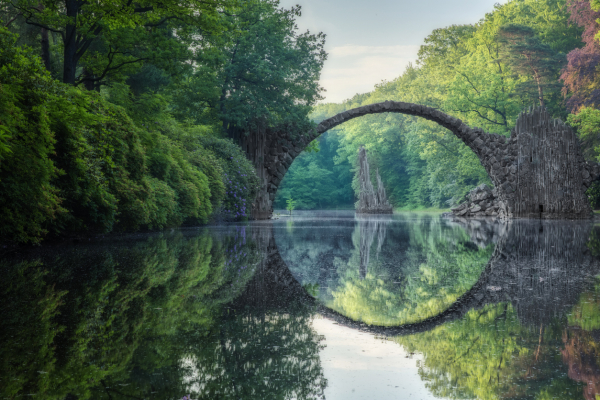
(27, 198)
(290, 205)
(239, 176)
(485, 74)
(262, 71)
(527, 56)
(117, 38)
(315, 180)
(71, 161)
(141, 148)
(587, 124)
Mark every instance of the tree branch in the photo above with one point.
(12, 20)
(163, 21)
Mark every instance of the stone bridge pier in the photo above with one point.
(272, 151)
(538, 172)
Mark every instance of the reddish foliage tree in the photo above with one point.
(581, 74)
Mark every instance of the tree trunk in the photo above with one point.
(45, 48)
(70, 52)
(540, 90)
(89, 82)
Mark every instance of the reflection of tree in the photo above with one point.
(114, 320)
(273, 355)
(510, 348)
(581, 352)
(438, 265)
(266, 347)
(27, 332)
(488, 354)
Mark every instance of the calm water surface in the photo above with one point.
(317, 305)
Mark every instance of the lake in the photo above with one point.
(323, 304)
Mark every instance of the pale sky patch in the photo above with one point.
(371, 41)
(358, 365)
(357, 69)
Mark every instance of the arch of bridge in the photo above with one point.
(539, 167)
(283, 149)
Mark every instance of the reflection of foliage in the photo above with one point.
(586, 314)
(102, 317)
(488, 355)
(581, 353)
(594, 241)
(581, 350)
(437, 270)
(260, 355)
(312, 289)
(26, 360)
(318, 179)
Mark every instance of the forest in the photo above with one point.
(525, 53)
(124, 116)
(118, 116)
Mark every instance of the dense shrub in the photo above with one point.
(241, 182)
(72, 161)
(27, 198)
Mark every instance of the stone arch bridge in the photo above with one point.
(538, 172)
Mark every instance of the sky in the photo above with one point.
(374, 40)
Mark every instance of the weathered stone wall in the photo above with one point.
(272, 151)
(539, 172)
(481, 202)
(550, 170)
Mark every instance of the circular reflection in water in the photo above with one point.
(384, 270)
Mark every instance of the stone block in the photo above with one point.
(462, 212)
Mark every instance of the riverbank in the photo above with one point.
(428, 210)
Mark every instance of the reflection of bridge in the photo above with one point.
(541, 267)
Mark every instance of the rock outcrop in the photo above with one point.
(369, 200)
(481, 202)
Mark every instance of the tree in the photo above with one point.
(263, 72)
(105, 34)
(290, 205)
(28, 201)
(587, 123)
(580, 75)
(528, 56)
